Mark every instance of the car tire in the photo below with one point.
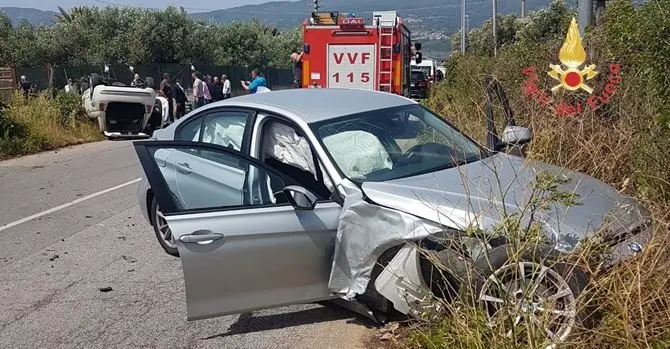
(162, 231)
(569, 281)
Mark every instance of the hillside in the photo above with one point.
(33, 15)
(431, 21)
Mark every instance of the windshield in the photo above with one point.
(425, 69)
(418, 76)
(394, 143)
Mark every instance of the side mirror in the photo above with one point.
(300, 198)
(516, 135)
(418, 58)
(417, 46)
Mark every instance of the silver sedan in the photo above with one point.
(307, 195)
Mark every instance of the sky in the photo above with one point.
(189, 5)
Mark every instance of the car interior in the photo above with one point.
(288, 152)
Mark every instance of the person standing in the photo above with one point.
(257, 80)
(136, 81)
(25, 86)
(166, 91)
(226, 86)
(297, 69)
(180, 98)
(217, 92)
(69, 88)
(207, 84)
(198, 91)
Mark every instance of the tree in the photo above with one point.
(98, 36)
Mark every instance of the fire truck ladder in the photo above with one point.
(386, 30)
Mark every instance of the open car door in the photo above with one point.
(257, 240)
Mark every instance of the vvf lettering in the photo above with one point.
(530, 87)
(352, 57)
(613, 80)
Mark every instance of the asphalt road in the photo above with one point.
(70, 226)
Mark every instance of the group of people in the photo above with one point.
(206, 89)
(210, 90)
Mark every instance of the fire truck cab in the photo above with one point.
(342, 51)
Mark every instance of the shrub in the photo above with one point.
(625, 143)
(42, 123)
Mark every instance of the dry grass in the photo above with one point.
(624, 146)
(38, 124)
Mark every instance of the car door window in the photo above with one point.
(225, 129)
(190, 131)
(284, 149)
(209, 177)
(222, 127)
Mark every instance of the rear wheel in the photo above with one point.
(162, 230)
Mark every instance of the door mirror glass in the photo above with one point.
(516, 135)
(300, 198)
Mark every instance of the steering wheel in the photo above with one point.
(433, 151)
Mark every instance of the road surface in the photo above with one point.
(70, 226)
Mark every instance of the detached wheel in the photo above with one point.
(531, 291)
(162, 230)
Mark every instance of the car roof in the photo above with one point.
(318, 104)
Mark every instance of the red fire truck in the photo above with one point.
(342, 51)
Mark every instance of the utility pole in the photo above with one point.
(495, 27)
(463, 26)
(523, 8)
(585, 9)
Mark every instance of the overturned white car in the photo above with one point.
(124, 111)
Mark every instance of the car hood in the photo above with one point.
(485, 191)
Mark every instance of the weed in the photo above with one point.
(42, 123)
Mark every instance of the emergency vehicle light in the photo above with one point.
(325, 18)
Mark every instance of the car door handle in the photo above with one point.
(184, 168)
(203, 238)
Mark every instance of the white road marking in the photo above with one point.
(66, 205)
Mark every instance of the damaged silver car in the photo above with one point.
(307, 195)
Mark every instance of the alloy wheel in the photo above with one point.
(527, 295)
(163, 229)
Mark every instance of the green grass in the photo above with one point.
(41, 123)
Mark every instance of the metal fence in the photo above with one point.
(277, 79)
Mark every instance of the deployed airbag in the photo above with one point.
(358, 153)
(284, 144)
